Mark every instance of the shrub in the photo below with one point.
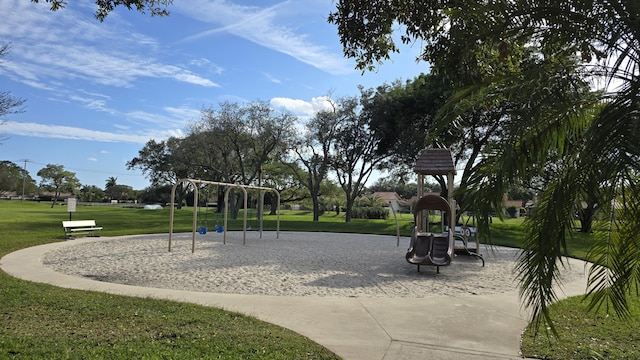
(369, 213)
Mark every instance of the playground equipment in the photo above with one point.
(429, 248)
(203, 225)
(228, 187)
(466, 241)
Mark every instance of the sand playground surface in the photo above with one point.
(295, 264)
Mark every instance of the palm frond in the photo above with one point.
(545, 245)
(615, 272)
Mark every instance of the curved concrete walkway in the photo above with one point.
(468, 327)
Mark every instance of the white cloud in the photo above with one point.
(296, 106)
(92, 159)
(93, 104)
(69, 44)
(263, 26)
(272, 78)
(68, 132)
(183, 113)
(302, 107)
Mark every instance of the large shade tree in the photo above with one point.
(234, 142)
(603, 36)
(283, 177)
(355, 156)
(14, 178)
(164, 163)
(312, 152)
(56, 179)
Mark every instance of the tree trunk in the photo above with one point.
(348, 208)
(316, 208)
(55, 199)
(586, 220)
(274, 208)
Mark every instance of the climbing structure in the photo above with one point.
(428, 246)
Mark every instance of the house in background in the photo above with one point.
(392, 199)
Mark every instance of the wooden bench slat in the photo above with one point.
(84, 229)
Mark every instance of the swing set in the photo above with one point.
(220, 228)
(203, 225)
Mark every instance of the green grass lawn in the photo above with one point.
(43, 321)
(40, 321)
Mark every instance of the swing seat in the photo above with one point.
(427, 248)
(202, 230)
(219, 228)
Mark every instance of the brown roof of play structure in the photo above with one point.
(434, 162)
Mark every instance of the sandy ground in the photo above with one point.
(295, 264)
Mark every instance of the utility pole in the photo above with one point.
(24, 176)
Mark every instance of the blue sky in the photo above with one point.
(97, 92)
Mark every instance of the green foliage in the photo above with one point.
(367, 212)
(13, 177)
(401, 186)
(403, 114)
(56, 179)
(91, 194)
(119, 192)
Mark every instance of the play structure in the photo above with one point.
(202, 227)
(466, 240)
(433, 247)
(433, 243)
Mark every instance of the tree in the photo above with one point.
(234, 142)
(394, 184)
(603, 37)
(56, 179)
(155, 7)
(284, 179)
(110, 182)
(119, 192)
(402, 114)
(165, 163)
(9, 104)
(156, 195)
(13, 178)
(313, 154)
(91, 193)
(354, 148)
(371, 200)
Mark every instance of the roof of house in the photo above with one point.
(387, 195)
(434, 162)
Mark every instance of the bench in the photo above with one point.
(72, 227)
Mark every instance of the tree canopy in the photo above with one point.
(56, 179)
(14, 178)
